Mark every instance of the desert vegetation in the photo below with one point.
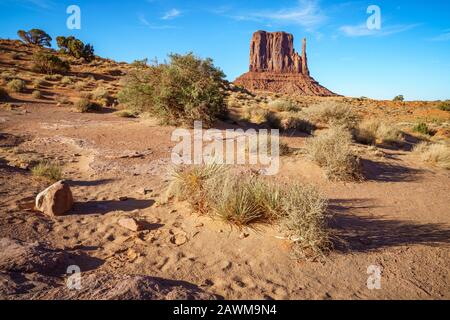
(48, 170)
(36, 37)
(374, 132)
(49, 63)
(437, 154)
(178, 92)
(75, 48)
(242, 201)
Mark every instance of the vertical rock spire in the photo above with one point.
(305, 69)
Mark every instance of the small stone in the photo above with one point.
(131, 224)
(56, 200)
(179, 239)
(199, 225)
(244, 235)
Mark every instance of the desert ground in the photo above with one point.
(397, 218)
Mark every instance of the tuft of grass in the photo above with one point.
(85, 105)
(300, 210)
(125, 114)
(297, 123)
(422, 128)
(36, 94)
(332, 114)
(444, 105)
(332, 151)
(102, 96)
(66, 80)
(16, 85)
(437, 154)
(48, 170)
(371, 132)
(37, 83)
(282, 105)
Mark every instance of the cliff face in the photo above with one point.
(275, 66)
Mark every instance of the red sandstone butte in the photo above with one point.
(275, 66)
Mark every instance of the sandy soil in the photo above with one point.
(398, 219)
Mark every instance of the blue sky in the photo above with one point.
(409, 55)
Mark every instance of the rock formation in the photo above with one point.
(56, 200)
(275, 66)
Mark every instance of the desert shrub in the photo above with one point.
(3, 94)
(36, 37)
(294, 122)
(66, 80)
(49, 170)
(304, 221)
(79, 85)
(37, 83)
(255, 115)
(245, 200)
(125, 114)
(273, 120)
(62, 99)
(422, 128)
(16, 85)
(53, 77)
(36, 94)
(332, 151)
(140, 64)
(85, 105)
(444, 105)
(372, 132)
(332, 114)
(181, 91)
(49, 63)
(76, 48)
(7, 76)
(282, 105)
(399, 98)
(435, 153)
(101, 95)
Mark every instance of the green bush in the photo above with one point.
(36, 37)
(399, 98)
(49, 64)
(422, 128)
(49, 170)
(181, 91)
(16, 85)
(76, 48)
(36, 94)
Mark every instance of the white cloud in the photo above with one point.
(361, 30)
(307, 14)
(444, 36)
(171, 14)
(143, 20)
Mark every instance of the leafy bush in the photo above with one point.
(399, 98)
(331, 113)
(422, 128)
(185, 89)
(49, 63)
(36, 37)
(435, 153)
(373, 132)
(76, 48)
(49, 170)
(16, 85)
(102, 96)
(332, 151)
(85, 105)
(242, 201)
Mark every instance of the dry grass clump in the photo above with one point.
(37, 83)
(332, 113)
(437, 154)
(85, 105)
(372, 132)
(282, 105)
(332, 151)
(36, 94)
(48, 170)
(16, 85)
(125, 114)
(66, 80)
(102, 96)
(299, 210)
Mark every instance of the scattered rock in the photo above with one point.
(244, 235)
(131, 224)
(56, 200)
(179, 239)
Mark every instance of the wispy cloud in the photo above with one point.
(143, 20)
(171, 14)
(444, 36)
(307, 14)
(361, 30)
